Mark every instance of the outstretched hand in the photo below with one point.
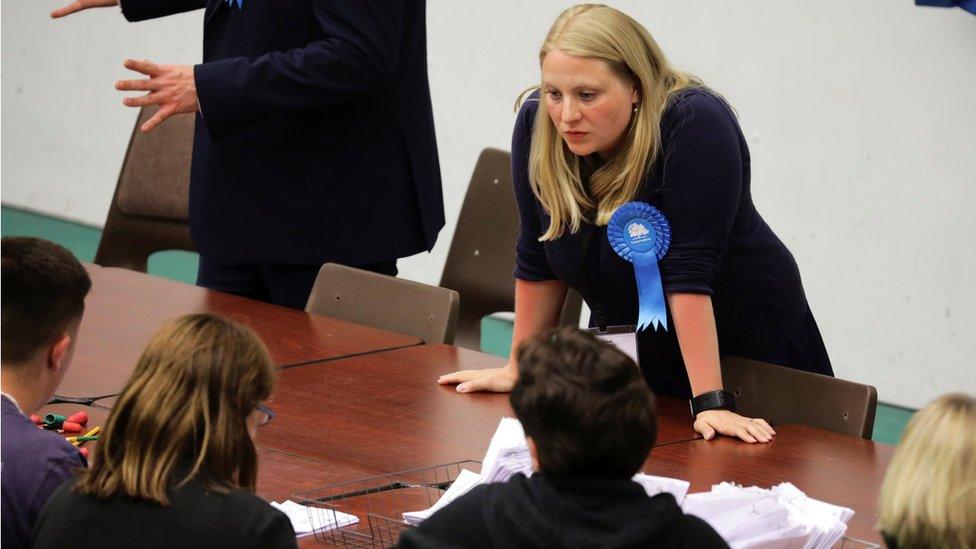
(493, 380)
(79, 5)
(725, 422)
(172, 87)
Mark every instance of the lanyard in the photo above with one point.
(597, 305)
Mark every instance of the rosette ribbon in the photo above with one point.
(639, 233)
(240, 3)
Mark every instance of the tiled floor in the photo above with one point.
(890, 421)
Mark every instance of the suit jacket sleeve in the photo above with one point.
(358, 57)
(140, 10)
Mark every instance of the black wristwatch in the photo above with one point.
(712, 400)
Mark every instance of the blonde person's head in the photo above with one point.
(601, 32)
(184, 413)
(928, 498)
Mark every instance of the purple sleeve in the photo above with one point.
(531, 262)
(701, 189)
(59, 467)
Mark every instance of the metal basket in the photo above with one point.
(854, 543)
(379, 502)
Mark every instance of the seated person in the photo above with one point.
(590, 422)
(176, 465)
(928, 498)
(44, 289)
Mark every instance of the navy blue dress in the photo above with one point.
(720, 247)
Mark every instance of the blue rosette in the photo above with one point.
(640, 234)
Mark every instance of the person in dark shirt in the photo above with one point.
(314, 139)
(590, 422)
(176, 465)
(44, 289)
(616, 125)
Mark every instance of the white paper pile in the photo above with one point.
(301, 518)
(781, 517)
(656, 485)
(463, 484)
(508, 453)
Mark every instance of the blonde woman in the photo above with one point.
(613, 125)
(928, 499)
(176, 466)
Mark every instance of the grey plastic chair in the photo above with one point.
(385, 302)
(783, 395)
(150, 207)
(482, 255)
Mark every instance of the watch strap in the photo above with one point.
(712, 400)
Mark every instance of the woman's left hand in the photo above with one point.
(728, 423)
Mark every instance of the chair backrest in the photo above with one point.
(150, 207)
(482, 255)
(783, 395)
(389, 303)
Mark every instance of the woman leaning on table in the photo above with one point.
(617, 130)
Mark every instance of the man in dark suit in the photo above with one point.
(314, 139)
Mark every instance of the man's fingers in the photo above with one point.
(157, 119)
(143, 100)
(68, 10)
(145, 66)
(135, 85)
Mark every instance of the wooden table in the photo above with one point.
(835, 468)
(342, 417)
(385, 411)
(125, 308)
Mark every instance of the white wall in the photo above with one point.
(861, 118)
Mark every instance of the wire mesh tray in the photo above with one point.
(379, 502)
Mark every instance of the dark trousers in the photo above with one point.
(286, 285)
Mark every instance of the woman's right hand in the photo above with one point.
(79, 5)
(493, 380)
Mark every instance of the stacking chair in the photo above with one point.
(482, 256)
(389, 303)
(783, 395)
(149, 209)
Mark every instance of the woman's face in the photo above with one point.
(589, 104)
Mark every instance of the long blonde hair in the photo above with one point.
(928, 498)
(601, 32)
(185, 405)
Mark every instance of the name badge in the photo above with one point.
(621, 337)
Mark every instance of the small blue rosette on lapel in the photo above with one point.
(240, 3)
(639, 233)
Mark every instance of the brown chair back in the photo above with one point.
(783, 395)
(482, 255)
(385, 302)
(149, 209)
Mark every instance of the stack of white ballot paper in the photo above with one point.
(781, 517)
(301, 518)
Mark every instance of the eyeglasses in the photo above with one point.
(268, 414)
